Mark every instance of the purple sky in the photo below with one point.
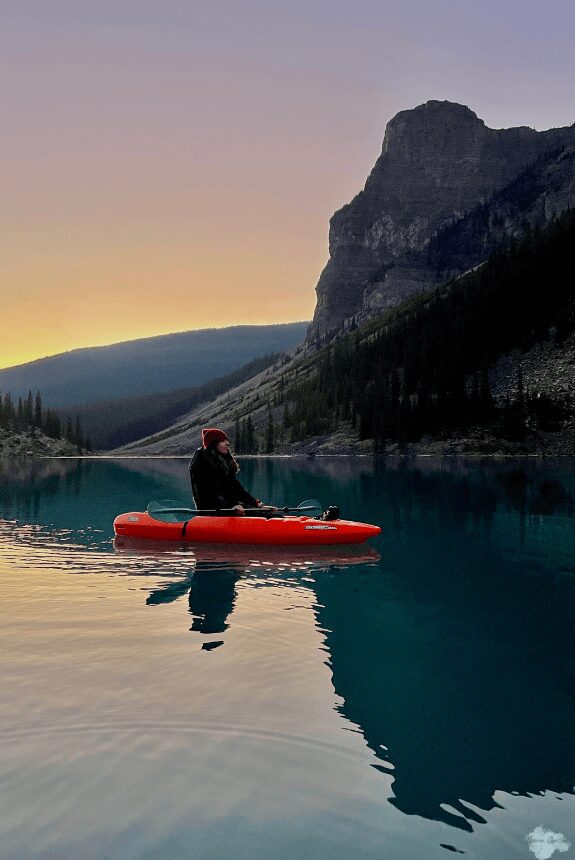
(171, 165)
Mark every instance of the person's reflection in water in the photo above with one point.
(169, 593)
(212, 598)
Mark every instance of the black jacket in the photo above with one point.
(214, 482)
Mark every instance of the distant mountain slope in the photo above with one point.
(147, 365)
(112, 423)
(251, 395)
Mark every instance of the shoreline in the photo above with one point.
(460, 455)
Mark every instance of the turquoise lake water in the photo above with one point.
(413, 698)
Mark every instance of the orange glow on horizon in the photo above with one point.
(124, 336)
(102, 298)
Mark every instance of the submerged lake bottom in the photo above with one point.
(410, 698)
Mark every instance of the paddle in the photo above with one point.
(170, 511)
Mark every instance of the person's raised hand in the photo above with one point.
(240, 510)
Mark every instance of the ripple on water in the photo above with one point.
(210, 727)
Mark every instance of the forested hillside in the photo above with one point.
(423, 369)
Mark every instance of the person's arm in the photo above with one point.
(245, 498)
(249, 501)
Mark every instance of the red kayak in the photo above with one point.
(285, 531)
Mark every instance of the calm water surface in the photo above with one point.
(411, 700)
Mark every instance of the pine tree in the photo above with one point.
(238, 443)
(8, 408)
(269, 440)
(38, 411)
(520, 389)
(485, 393)
(52, 426)
(78, 438)
(29, 409)
(250, 446)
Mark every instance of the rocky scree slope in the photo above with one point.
(34, 443)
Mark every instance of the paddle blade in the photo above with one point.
(311, 507)
(170, 511)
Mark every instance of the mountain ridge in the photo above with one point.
(147, 365)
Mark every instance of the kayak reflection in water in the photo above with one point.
(213, 472)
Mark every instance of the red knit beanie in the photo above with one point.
(212, 434)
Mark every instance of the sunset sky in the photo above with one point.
(173, 165)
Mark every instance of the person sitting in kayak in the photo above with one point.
(213, 472)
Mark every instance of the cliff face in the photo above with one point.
(543, 190)
(438, 162)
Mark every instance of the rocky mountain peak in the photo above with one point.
(438, 161)
(433, 117)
